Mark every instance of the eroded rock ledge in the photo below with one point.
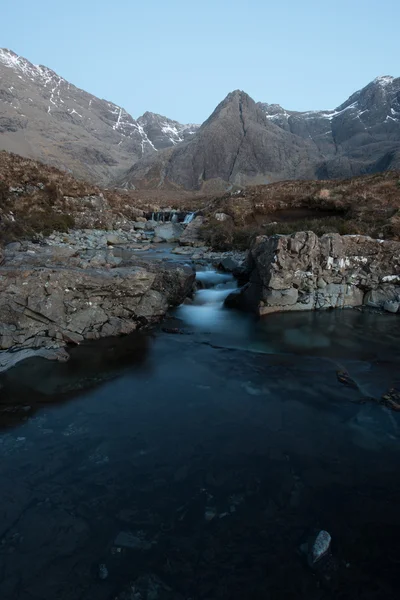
(305, 272)
(51, 296)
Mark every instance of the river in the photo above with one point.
(194, 461)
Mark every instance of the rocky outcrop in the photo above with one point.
(236, 144)
(169, 232)
(192, 234)
(361, 135)
(51, 296)
(305, 272)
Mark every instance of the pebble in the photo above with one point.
(103, 571)
(320, 547)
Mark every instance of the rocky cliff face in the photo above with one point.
(305, 272)
(243, 142)
(359, 136)
(164, 132)
(236, 144)
(45, 117)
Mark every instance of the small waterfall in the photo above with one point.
(188, 218)
(207, 310)
(173, 216)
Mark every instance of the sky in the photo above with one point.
(180, 58)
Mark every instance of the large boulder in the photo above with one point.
(305, 272)
(192, 234)
(48, 300)
(168, 232)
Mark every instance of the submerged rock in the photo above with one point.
(319, 547)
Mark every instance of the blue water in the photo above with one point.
(195, 465)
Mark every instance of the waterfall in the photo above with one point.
(188, 218)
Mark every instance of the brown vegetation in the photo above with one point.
(32, 199)
(367, 205)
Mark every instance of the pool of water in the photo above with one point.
(195, 465)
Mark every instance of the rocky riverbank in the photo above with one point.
(60, 292)
(305, 272)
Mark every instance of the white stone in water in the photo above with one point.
(320, 546)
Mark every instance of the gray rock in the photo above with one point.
(169, 232)
(46, 301)
(103, 571)
(126, 539)
(14, 246)
(192, 234)
(222, 217)
(140, 225)
(304, 272)
(391, 306)
(319, 547)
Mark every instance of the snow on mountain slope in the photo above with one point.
(43, 116)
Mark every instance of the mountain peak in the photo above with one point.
(384, 80)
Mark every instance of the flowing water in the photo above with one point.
(195, 465)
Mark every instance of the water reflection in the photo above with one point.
(36, 382)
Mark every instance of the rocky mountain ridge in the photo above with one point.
(244, 142)
(45, 117)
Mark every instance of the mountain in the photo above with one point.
(163, 132)
(362, 135)
(45, 117)
(236, 144)
(243, 142)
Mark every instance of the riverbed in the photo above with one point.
(195, 461)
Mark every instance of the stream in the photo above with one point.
(195, 465)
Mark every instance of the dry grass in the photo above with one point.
(369, 204)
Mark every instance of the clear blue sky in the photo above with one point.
(180, 58)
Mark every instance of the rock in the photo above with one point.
(304, 272)
(103, 571)
(392, 399)
(185, 251)
(14, 246)
(46, 301)
(114, 239)
(126, 539)
(140, 225)
(191, 236)
(229, 264)
(391, 306)
(319, 547)
(383, 293)
(140, 219)
(169, 232)
(150, 225)
(157, 240)
(222, 217)
(10, 359)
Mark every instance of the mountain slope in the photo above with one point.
(359, 136)
(236, 144)
(243, 142)
(45, 117)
